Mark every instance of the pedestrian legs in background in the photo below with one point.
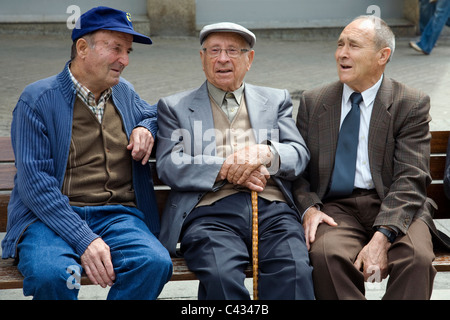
(433, 28)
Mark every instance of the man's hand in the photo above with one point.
(141, 144)
(373, 258)
(311, 220)
(238, 167)
(258, 179)
(96, 261)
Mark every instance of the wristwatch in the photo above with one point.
(391, 235)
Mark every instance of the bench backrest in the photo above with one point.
(435, 190)
(7, 171)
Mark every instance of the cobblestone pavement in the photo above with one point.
(171, 65)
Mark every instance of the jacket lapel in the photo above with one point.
(328, 123)
(257, 112)
(378, 132)
(201, 120)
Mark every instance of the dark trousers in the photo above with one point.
(216, 244)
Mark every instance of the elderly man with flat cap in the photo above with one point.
(83, 197)
(216, 144)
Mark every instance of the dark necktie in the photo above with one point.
(343, 179)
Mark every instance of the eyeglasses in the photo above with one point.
(231, 52)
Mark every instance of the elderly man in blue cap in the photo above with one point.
(83, 197)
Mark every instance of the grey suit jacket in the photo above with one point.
(186, 157)
(399, 150)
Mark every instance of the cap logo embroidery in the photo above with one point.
(129, 16)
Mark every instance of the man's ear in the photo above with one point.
(251, 56)
(82, 48)
(385, 54)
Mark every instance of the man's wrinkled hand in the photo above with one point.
(97, 263)
(312, 219)
(141, 144)
(258, 179)
(373, 258)
(238, 167)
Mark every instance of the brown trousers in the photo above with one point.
(335, 249)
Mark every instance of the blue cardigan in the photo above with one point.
(41, 132)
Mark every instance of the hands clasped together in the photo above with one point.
(248, 167)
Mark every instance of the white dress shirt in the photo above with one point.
(363, 177)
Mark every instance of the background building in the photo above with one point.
(283, 19)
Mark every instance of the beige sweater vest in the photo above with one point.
(236, 135)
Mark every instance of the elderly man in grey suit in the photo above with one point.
(215, 144)
(380, 224)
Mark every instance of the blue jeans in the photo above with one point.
(51, 268)
(426, 12)
(434, 27)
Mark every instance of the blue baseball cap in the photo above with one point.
(104, 18)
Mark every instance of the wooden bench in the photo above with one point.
(10, 277)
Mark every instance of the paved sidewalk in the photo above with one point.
(172, 65)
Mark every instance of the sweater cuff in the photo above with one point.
(150, 125)
(84, 240)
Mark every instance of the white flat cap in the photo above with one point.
(228, 27)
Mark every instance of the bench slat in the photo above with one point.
(4, 199)
(6, 150)
(437, 167)
(439, 141)
(442, 262)
(436, 192)
(7, 172)
(11, 278)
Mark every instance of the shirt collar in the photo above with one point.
(218, 94)
(368, 95)
(85, 94)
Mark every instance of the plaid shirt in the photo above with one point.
(89, 99)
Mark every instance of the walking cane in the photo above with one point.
(255, 243)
